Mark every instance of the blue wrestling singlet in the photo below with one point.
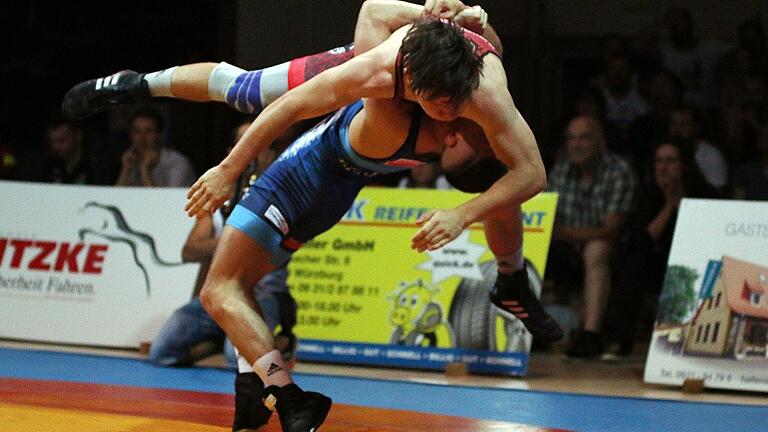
(313, 183)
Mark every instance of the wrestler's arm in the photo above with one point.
(362, 76)
(378, 19)
(513, 144)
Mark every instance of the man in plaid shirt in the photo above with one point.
(596, 192)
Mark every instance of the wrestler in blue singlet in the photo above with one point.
(313, 183)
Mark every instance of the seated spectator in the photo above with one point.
(685, 124)
(642, 259)
(147, 162)
(623, 103)
(750, 180)
(596, 191)
(68, 159)
(427, 176)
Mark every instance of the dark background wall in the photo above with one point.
(47, 47)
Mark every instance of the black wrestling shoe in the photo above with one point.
(299, 410)
(94, 96)
(513, 297)
(250, 412)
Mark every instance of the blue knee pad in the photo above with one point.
(245, 94)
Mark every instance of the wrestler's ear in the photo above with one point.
(478, 176)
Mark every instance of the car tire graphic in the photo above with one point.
(471, 311)
(473, 318)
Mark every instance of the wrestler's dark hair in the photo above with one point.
(441, 62)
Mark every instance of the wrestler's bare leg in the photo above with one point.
(238, 264)
(504, 234)
(511, 293)
(245, 91)
(190, 82)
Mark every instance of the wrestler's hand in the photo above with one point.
(472, 18)
(443, 8)
(209, 192)
(437, 228)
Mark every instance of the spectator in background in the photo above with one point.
(642, 256)
(750, 179)
(623, 103)
(69, 159)
(612, 45)
(597, 191)
(590, 103)
(427, 176)
(685, 124)
(745, 119)
(694, 61)
(665, 93)
(147, 162)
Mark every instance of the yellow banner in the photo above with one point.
(361, 282)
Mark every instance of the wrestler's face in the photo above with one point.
(440, 109)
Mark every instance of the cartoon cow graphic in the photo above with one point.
(418, 320)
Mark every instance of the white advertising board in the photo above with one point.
(91, 265)
(712, 322)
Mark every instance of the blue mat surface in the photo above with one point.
(545, 409)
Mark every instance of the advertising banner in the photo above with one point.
(366, 297)
(712, 322)
(91, 265)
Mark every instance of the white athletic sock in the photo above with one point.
(272, 370)
(242, 364)
(509, 264)
(160, 82)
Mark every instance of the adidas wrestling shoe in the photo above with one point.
(250, 412)
(299, 410)
(94, 96)
(513, 297)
